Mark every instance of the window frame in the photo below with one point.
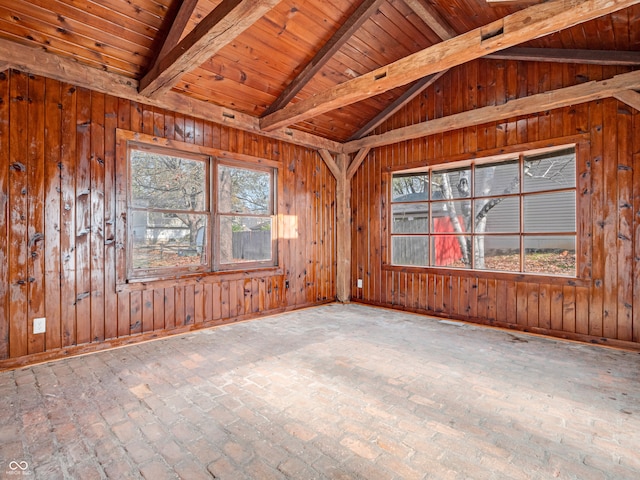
(126, 141)
(513, 153)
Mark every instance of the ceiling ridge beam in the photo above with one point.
(328, 50)
(228, 20)
(39, 62)
(563, 97)
(432, 18)
(519, 27)
(561, 55)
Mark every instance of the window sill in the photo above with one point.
(491, 274)
(200, 277)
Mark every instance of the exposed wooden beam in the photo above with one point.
(562, 97)
(513, 29)
(228, 20)
(39, 62)
(356, 162)
(343, 232)
(178, 25)
(432, 18)
(400, 102)
(342, 35)
(629, 97)
(331, 163)
(560, 55)
(4, 66)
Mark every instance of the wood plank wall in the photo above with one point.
(58, 233)
(606, 307)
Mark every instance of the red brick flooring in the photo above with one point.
(338, 392)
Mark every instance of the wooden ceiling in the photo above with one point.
(253, 61)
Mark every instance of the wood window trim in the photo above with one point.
(583, 229)
(233, 271)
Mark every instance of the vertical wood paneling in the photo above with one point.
(18, 208)
(5, 101)
(83, 216)
(59, 238)
(603, 303)
(35, 219)
(52, 209)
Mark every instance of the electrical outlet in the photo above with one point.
(359, 283)
(39, 325)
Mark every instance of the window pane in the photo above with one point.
(241, 190)
(168, 240)
(497, 215)
(410, 250)
(167, 182)
(410, 187)
(410, 218)
(446, 184)
(245, 239)
(551, 255)
(497, 253)
(447, 250)
(497, 179)
(550, 171)
(550, 212)
(451, 217)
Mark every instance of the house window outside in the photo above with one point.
(195, 213)
(517, 214)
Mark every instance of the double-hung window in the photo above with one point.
(513, 214)
(190, 212)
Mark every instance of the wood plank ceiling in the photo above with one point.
(258, 58)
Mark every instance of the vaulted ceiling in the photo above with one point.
(328, 69)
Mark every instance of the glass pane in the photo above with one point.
(551, 255)
(450, 250)
(451, 217)
(409, 187)
(168, 240)
(167, 182)
(497, 215)
(410, 218)
(550, 212)
(410, 251)
(446, 184)
(550, 171)
(241, 190)
(497, 179)
(497, 253)
(245, 239)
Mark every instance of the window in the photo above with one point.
(190, 212)
(515, 214)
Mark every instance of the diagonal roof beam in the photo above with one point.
(519, 27)
(216, 30)
(432, 18)
(39, 62)
(563, 97)
(400, 102)
(178, 25)
(629, 97)
(342, 36)
(561, 55)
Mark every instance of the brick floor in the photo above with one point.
(334, 392)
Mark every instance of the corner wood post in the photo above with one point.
(338, 168)
(343, 228)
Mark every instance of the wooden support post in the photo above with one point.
(338, 167)
(343, 227)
